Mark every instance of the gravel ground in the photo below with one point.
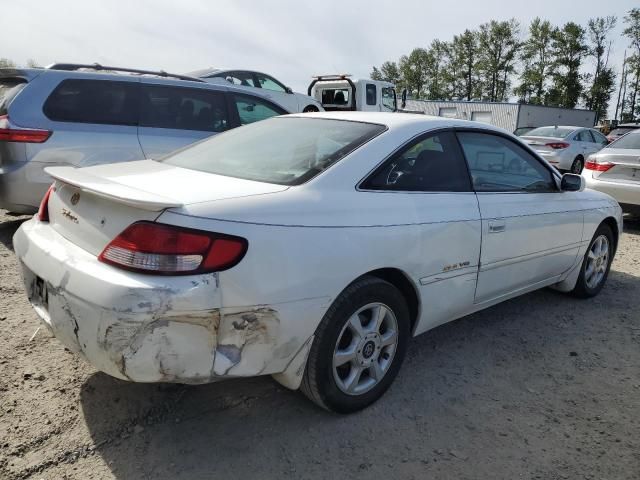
(543, 386)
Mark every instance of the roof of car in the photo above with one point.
(397, 119)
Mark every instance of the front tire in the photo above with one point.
(310, 109)
(359, 347)
(596, 264)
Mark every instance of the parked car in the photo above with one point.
(566, 148)
(519, 132)
(621, 130)
(82, 115)
(310, 247)
(615, 170)
(267, 85)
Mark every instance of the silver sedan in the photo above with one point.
(565, 147)
(616, 170)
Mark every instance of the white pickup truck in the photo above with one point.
(340, 92)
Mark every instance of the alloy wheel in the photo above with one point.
(597, 261)
(365, 349)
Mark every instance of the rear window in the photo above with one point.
(555, 132)
(9, 88)
(622, 130)
(182, 108)
(630, 141)
(284, 150)
(93, 101)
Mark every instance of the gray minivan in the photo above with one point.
(81, 115)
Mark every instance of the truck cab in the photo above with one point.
(340, 92)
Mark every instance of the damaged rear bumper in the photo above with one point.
(147, 328)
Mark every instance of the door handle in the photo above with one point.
(497, 226)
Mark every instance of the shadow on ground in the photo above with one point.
(530, 386)
(8, 227)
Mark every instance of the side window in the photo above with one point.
(371, 94)
(389, 98)
(182, 108)
(498, 164)
(269, 83)
(432, 163)
(584, 136)
(242, 79)
(252, 109)
(93, 101)
(599, 138)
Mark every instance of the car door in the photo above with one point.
(599, 139)
(427, 183)
(587, 144)
(276, 92)
(172, 117)
(531, 231)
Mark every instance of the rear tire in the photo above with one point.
(577, 165)
(310, 109)
(595, 264)
(347, 371)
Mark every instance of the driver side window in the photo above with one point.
(498, 164)
(433, 163)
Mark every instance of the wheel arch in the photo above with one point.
(407, 287)
(613, 225)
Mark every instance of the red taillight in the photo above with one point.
(13, 133)
(43, 210)
(598, 167)
(557, 145)
(160, 249)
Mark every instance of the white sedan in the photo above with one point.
(265, 84)
(566, 148)
(308, 247)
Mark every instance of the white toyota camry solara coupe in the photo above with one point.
(308, 247)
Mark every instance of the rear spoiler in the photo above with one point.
(26, 74)
(112, 190)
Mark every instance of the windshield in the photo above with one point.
(555, 132)
(285, 151)
(629, 141)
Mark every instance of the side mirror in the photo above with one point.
(229, 79)
(572, 183)
(288, 89)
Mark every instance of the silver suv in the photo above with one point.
(80, 115)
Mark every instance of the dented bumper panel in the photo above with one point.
(152, 329)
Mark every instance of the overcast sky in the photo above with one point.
(291, 39)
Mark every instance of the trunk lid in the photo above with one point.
(539, 144)
(91, 206)
(626, 165)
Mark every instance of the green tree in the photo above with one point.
(537, 59)
(465, 53)
(413, 69)
(388, 72)
(632, 31)
(568, 47)
(435, 68)
(499, 43)
(598, 95)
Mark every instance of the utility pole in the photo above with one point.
(623, 80)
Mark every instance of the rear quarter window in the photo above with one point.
(93, 101)
(9, 88)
